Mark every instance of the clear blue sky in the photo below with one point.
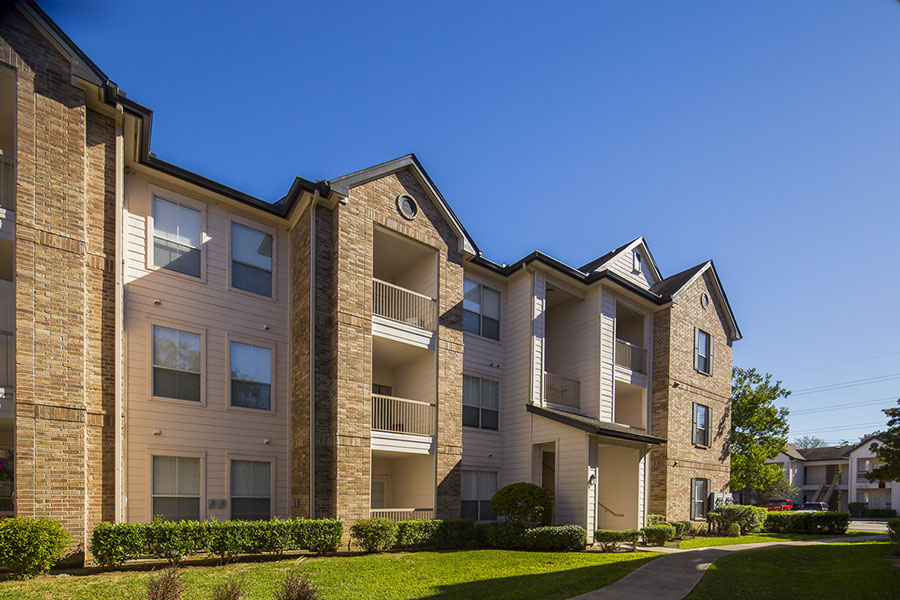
(764, 135)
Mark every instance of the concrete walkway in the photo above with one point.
(674, 576)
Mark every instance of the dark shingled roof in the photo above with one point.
(594, 426)
(672, 284)
(827, 452)
(599, 261)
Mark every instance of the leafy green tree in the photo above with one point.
(889, 450)
(782, 488)
(809, 441)
(759, 429)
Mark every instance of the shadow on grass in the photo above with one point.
(541, 586)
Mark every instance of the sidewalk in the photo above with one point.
(674, 576)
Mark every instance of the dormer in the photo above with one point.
(632, 262)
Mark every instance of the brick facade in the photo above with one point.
(673, 466)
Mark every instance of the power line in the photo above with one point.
(831, 407)
(841, 364)
(847, 384)
(837, 428)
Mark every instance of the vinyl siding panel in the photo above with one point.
(607, 356)
(623, 265)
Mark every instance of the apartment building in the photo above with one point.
(172, 347)
(837, 475)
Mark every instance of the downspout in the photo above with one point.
(312, 355)
(119, 315)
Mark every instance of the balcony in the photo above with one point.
(7, 181)
(631, 357)
(403, 514)
(562, 391)
(401, 415)
(403, 306)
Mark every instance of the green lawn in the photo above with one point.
(805, 572)
(704, 542)
(463, 575)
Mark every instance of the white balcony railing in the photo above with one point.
(403, 514)
(7, 181)
(401, 415)
(7, 359)
(399, 304)
(562, 391)
(631, 357)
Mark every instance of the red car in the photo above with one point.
(781, 504)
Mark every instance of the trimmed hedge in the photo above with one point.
(858, 509)
(374, 535)
(679, 529)
(29, 547)
(894, 530)
(559, 538)
(416, 533)
(658, 535)
(609, 539)
(523, 504)
(830, 522)
(656, 519)
(114, 543)
(748, 518)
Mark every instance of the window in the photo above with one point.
(699, 493)
(251, 260)
(700, 429)
(176, 488)
(251, 376)
(176, 364)
(863, 466)
(382, 390)
(703, 351)
(251, 490)
(478, 487)
(481, 403)
(637, 262)
(481, 310)
(176, 237)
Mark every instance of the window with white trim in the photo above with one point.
(700, 426)
(251, 490)
(481, 403)
(176, 488)
(177, 237)
(481, 310)
(478, 487)
(177, 359)
(636, 266)
(699, 494)
(251, 376)
(703, 351)
(251, 260)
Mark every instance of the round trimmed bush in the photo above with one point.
(374, 535)
(523, 505)
(658, 535)
(29, 547)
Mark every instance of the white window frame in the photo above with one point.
(480, 314)
(177, 453)
(480, 407)
(271, 459)
(709, 337)
(272, 347)
(479, 496)
(695, 410)
(637, 259)
(697, 502)
(262, 229)
(187, 328)
(166, 194)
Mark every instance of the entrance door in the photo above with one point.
(381, 492)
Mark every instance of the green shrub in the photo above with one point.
(318, 535)
(655, 519)
(689, 528)
(555, 538)
(748, 518)
(114, 543)
(173, 540)
(830, 522)
(894, 530)
(501, 537)
(416, 533)
(374, 535)
(878, 513)
(732, 530)
(226, 539)
(456, 533)
(522, 505)
(679, 529)
(29, 547)
(609, 540)
(856, 508)
(295, 586)
(658, 535)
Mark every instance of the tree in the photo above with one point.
(889, 450)
(809, 441)
(759, 429)
(782, 488)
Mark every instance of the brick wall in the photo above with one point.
(65, 236)
(673, 466)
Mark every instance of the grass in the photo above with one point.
(856, 570)
(705, 542)
(462, 575)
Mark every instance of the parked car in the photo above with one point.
(781, 504)
(813, 507)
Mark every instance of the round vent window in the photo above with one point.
(704, 300)
(407, 207)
